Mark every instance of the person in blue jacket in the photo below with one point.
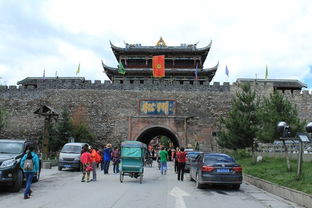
(29, 173)
(107, 157)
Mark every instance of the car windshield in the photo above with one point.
(218, 159)
(192, 154)
(71, 149)
(11, 147)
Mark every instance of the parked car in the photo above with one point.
(70, 156)
(216, 168)
(190, 159)
(11, 152)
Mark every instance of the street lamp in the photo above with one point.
(284, 131)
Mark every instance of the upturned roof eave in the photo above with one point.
(154, 49)
(111, 71)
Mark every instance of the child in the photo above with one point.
(86, 161)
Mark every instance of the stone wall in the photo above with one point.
(108, 106)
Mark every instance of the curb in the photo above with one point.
(298, 197)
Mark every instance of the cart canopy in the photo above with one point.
(132, 149)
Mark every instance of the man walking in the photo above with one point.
(107, 157)
(163, 154)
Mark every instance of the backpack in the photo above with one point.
(28, 164)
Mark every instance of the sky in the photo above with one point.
(52, 37)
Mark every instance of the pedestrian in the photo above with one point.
(163, 155)
(181, 157)
(30, 165)
(93, 163)
(157, 158)
(116, 160)
(86, 161)
(102, 158)
(175, 160)
(107, 157)
(98, 157)
(169, 154)
(153, 154)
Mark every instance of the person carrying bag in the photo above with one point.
(30, 165)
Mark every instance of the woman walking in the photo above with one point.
(86, 161)
(30, 166)
(94, 163)
(181, 158)
(116, 160)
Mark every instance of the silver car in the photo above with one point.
(216, 168)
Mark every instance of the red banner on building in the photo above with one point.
(158, 66)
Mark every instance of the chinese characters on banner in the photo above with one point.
(157, 107)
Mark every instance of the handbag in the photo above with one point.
(89, 168)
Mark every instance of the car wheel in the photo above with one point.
(197, 183)
(18, 183)
(236, 186)
(59, 168)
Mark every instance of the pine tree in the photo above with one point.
(60, 134)
(239, 128)
(80, 129)
(274, 109)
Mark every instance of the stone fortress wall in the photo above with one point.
(108, 106)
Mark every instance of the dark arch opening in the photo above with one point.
(153, 132)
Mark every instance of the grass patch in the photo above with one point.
(275, 171)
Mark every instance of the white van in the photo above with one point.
(70, 156)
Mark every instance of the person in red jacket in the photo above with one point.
(181, 157)
(86, 161)
(94, 163)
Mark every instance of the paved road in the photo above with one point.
(64, 189)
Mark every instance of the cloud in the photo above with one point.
(247, 35)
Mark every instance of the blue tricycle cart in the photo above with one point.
(132, 159)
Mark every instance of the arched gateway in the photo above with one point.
(151, 132)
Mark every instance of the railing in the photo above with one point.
(291, 147)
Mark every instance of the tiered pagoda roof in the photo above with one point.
(180, 61)
(168, 51)
(148, 72)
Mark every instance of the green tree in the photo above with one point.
(81, 133)
(80, 129)
(165, 141)
(3, 117)
(239, 128)
(272, 110)
(61, 132)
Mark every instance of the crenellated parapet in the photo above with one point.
(35, 83)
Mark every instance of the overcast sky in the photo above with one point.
(57, 35)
